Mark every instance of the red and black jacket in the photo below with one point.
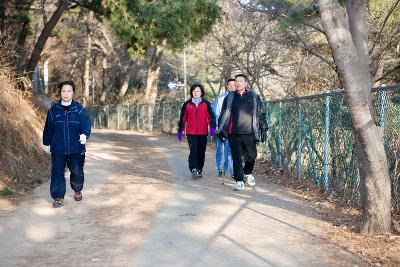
(196, 119)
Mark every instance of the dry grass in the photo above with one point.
(22, 159)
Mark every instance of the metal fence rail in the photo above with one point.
(311, 137)
(162, 117)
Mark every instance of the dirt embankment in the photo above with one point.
(23, 162)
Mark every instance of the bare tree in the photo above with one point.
(152, 74)
(45, 34)
(88, 55)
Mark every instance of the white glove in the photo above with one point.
(47, 149)
(82, 139)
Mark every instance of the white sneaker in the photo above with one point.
(239, 186)
(250, 179)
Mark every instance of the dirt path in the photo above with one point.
(141, 208)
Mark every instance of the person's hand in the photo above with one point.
(212, 131)
(47, 149)
(82, 139)
(179, 136)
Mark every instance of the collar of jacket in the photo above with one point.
(190, 100)
(244, 93)
(72, 107)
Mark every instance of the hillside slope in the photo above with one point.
(23, 162)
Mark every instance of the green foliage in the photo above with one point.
(5, 192)
(290, 13)
(173, 23)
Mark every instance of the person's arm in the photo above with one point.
(85, 122)
(223, 108)
(215, 105)
(262, 120)
(262, 114)
(182, 119)
(212, 115)
(47, 131)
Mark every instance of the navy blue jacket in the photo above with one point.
(62, 129)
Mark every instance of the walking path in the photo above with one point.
(142, 208)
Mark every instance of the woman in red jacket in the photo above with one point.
(196, 117)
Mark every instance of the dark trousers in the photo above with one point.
(75, 164)
(197, 146)
(243, 145)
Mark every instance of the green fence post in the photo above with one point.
(266, 144)
(137, 116)
(128, 119)
(280, 135)
(382, 95)
(118, 114)
(326, 144)
(149, 118)
(108, 115)
(163, 116)
(298, 134)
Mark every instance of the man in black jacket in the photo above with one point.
(244, 123)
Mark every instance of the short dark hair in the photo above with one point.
(241, 75)
(69, 82)
(194, 86)
(230, 80)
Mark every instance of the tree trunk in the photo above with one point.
(86, 92)
(105, 93)
(152, 75)
(348, 41)
(379, 73)
(125, 84)
(2, 20)
(104, 71)
(44, 35)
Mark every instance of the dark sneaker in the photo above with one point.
(220, 174)
(58, 202)
(200, 173)
(78, 196)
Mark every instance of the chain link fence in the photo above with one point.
(163, 117)
(310, 137)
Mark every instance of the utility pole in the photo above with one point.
(184, 74)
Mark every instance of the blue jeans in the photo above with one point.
(75, 164)
(227, 158)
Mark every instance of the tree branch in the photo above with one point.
(45, 34)
(252, 8)
(387, 73)
(383, 26)
(306, 47)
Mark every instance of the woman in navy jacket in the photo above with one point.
(196, 116)
(64, 136)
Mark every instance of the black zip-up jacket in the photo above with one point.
(243, 114)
